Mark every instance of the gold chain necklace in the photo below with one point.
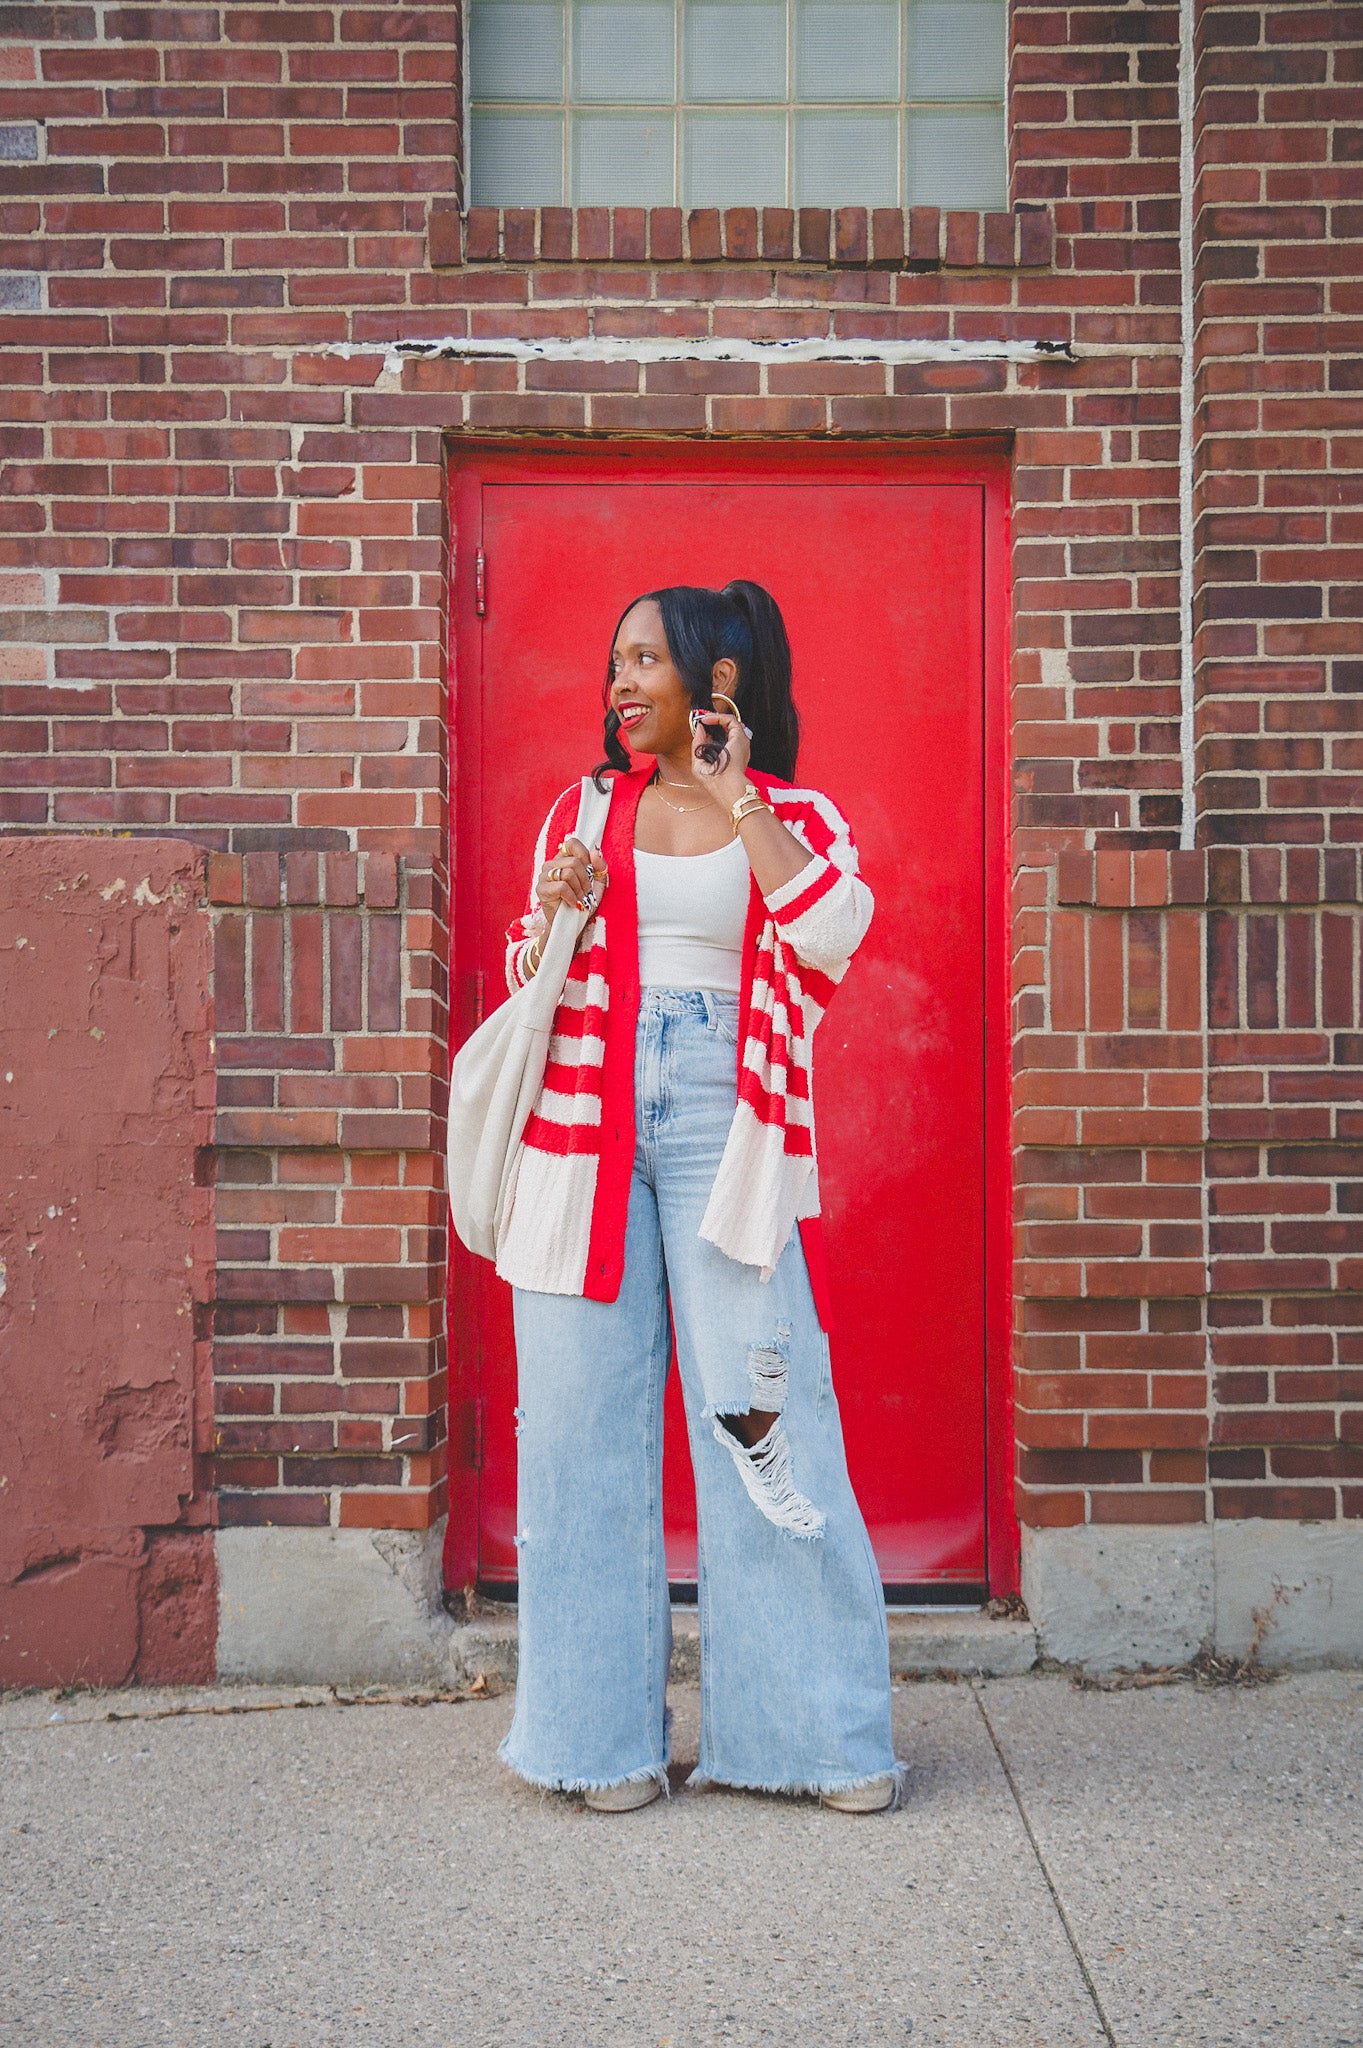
(682, 810)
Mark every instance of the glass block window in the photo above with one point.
(737, 103)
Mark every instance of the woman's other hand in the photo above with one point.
(575, 878)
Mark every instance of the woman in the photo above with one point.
(670, 1166)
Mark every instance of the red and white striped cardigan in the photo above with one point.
(564, 1222)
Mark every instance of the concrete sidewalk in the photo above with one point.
(1166, 1867)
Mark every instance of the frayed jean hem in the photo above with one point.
(548, 1783)
(800, 1788)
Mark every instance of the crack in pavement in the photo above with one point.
(1056, 1900)
(478, 1691)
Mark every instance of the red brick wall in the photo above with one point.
(1279, 276)
(1110, 1121)
(223, 559)
(1208, 1139)
(223, 555)
(1285, 1197)
(1190, 1101)
(330, 1001)
(1280, 365)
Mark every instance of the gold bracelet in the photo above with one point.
(750, 801)
(526, 968)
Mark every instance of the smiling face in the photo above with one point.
(651, 700)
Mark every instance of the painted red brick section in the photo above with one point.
(223, 572)
(106, 1553)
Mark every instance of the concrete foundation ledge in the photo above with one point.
(354, 1607)
(1291, 1592)
(332, 1607)
(1121, 1596)
(362, 1607)
(1112, 1598)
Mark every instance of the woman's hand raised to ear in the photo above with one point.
(725, 779)
(576, 878)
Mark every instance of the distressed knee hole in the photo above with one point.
(767, 1477)
(764, 1465)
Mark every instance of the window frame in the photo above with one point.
(903, 111)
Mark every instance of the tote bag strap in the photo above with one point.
(545, 990)
(593, 809)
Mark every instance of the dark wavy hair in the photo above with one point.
(741, 623)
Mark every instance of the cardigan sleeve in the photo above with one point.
(824, 912)
(532, 924)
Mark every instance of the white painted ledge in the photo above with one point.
(662, 349)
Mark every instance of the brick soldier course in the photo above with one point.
(223, 562)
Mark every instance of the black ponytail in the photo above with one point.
(741, 623)
(764, 697)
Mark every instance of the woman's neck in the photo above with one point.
(675, 767)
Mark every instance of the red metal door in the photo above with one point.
(888, 572)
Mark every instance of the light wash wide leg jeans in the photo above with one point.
(795, 1682)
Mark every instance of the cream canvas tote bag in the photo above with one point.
(497, 1074)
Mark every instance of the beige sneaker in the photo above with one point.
(624, 1797)
(872, 1797)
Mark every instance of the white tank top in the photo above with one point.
(692, 912)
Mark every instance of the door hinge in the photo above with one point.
(478, 997)
(480, 584)
(478, 1434)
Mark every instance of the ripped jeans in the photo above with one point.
(795, 1683)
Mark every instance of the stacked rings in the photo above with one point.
(557, 871)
